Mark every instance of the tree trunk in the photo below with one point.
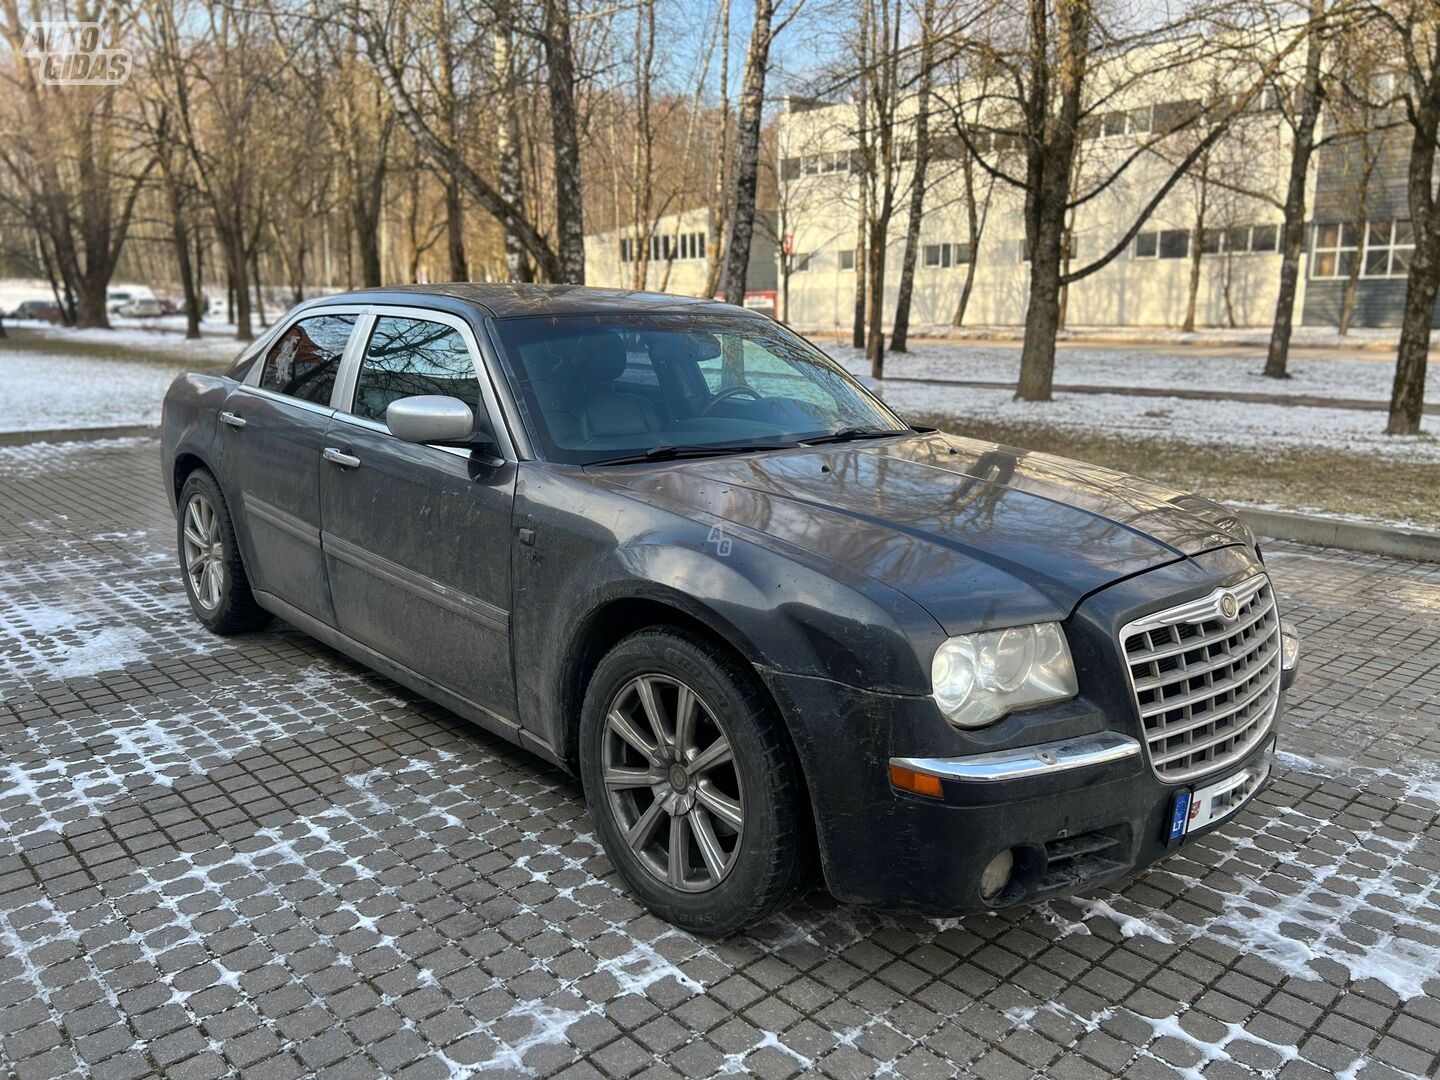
(875, 343)
(1042, 315)
(973, 229)
(862, 267)
(565, 137)
(1352, 281)
(1407, 396)
(747, 155)
(367, 237)
(1050, 158)
(181, 237)
(900, 332)
(1292, 243)
(1197, 237)
(455, 232)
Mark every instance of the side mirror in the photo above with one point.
(431, 418)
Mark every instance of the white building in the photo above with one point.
(678, 262)
(1147, 284)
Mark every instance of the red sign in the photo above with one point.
(788, 243)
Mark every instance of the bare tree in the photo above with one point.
(1058, 64)
(744, 182)
(1415, 33)
(900, 330)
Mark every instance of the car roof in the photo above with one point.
(507, 301)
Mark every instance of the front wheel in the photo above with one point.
(692, 783)
(210, 565)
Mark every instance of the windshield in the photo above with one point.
(601, 387)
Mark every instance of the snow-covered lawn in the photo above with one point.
(163, 337)
(1131, 366)
(1216, 423)
(41, 391)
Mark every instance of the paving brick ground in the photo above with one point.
(251, 857)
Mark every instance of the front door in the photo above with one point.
(417, 538)
(272, 434)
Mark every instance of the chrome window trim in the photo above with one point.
(349, 375)
(299, 403)
(1023, 762)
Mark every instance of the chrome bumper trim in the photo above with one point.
(1023, 762)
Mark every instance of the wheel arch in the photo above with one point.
(608, 624)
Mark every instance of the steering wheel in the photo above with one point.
(729, 392)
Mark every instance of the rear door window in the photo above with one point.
(304, 359)
(406, 357)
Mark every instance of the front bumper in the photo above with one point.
(1069, 789)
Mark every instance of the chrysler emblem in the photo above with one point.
(1228, 606)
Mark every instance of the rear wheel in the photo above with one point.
(210, 565)
(693, 786)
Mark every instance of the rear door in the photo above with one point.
(272, 431)
(417, 538)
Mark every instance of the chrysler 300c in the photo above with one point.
(775, 630)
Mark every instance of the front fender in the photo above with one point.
(595, 548)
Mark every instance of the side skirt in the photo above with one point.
(411, 680)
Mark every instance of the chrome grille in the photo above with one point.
(1206, 681)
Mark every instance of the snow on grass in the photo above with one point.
(1127, 366)
(41, 391)
(1214, 423)
(164, 336)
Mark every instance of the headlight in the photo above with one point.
(978, 678)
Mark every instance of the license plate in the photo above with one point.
(1206, 805)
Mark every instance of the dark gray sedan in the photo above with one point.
(775, 630)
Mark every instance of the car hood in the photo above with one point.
(980, 534)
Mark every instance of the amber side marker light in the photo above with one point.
(916, 782)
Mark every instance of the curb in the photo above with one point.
(70, 435)
(1348, 535)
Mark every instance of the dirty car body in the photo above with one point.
(994, 675)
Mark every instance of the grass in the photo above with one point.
(1330, 481)
(170, 349)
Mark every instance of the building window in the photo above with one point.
(1174, 243)
(943, 256)
(625, 250)
(847, 259)
(1165, 244)
(1336, 249)
(799, 263)
(824, 164)
(1388, 247)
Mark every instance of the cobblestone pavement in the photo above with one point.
(252, 857)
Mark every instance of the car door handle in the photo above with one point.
(234, 420)
(339, 457)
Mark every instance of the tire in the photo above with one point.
(726, 877)
(220, 597)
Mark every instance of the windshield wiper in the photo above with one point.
(671, 451)
(848, 434)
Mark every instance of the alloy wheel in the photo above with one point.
(204, 552)
(671, 782)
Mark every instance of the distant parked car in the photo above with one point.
(120, 295)
(40, 310)
(141, 308)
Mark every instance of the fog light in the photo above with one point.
(996, 875)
